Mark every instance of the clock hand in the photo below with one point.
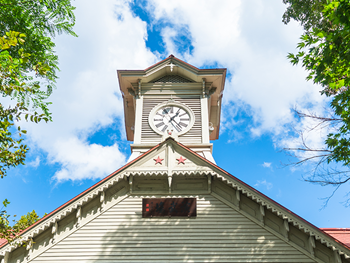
(177, 126)
(177, 113)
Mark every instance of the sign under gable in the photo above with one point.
(234, 222)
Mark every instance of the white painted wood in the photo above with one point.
(6, 257)
(102, 197)
(54, 231)
(78, 216)
(133, 156)
(209, 156)
(54, 228)
(217, 234)
(209, 183)
(138, 120)
(170, 179)
(131, 178)
(205, 119)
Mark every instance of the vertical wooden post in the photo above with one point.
(286, 227)
(312, 245)
(6, 257)
(209, 183)
(205, 116)
(54, 231)
(337, 258)
(138, 119)
(238, 197)
(262, 214)
(170, 179)
(130, 183)
(78, 216)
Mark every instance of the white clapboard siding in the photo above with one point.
(217, 234)
(194, 135)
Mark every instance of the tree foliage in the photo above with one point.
(11, 233)
(324, 51)
(28, 67)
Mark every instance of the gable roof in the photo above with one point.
(331, 238)
(2, 241)
(340, 234)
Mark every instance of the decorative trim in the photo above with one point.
(171, 79)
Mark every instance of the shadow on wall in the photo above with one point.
(217, 234)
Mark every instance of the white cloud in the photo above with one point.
(249, 38)
(310, 133)
(87, 96)
(265, 183)
(81, 160)
(266, 165)
(35, 163)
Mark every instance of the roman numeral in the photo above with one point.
(183, 124)
(183, 114)
(172, 110)
(159, 124)
(158, 119)
(164, 128)
(159, 114)
(184, 119)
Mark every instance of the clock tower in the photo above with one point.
(172, 99)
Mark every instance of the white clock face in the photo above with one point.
(172, 117)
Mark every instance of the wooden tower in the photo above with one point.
(172, 99)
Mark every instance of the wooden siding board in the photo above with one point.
(218, 233)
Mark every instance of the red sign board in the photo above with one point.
(167, 207)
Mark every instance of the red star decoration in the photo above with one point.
(158, 160)
(181, 160)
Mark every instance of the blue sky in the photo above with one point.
(86, 141)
